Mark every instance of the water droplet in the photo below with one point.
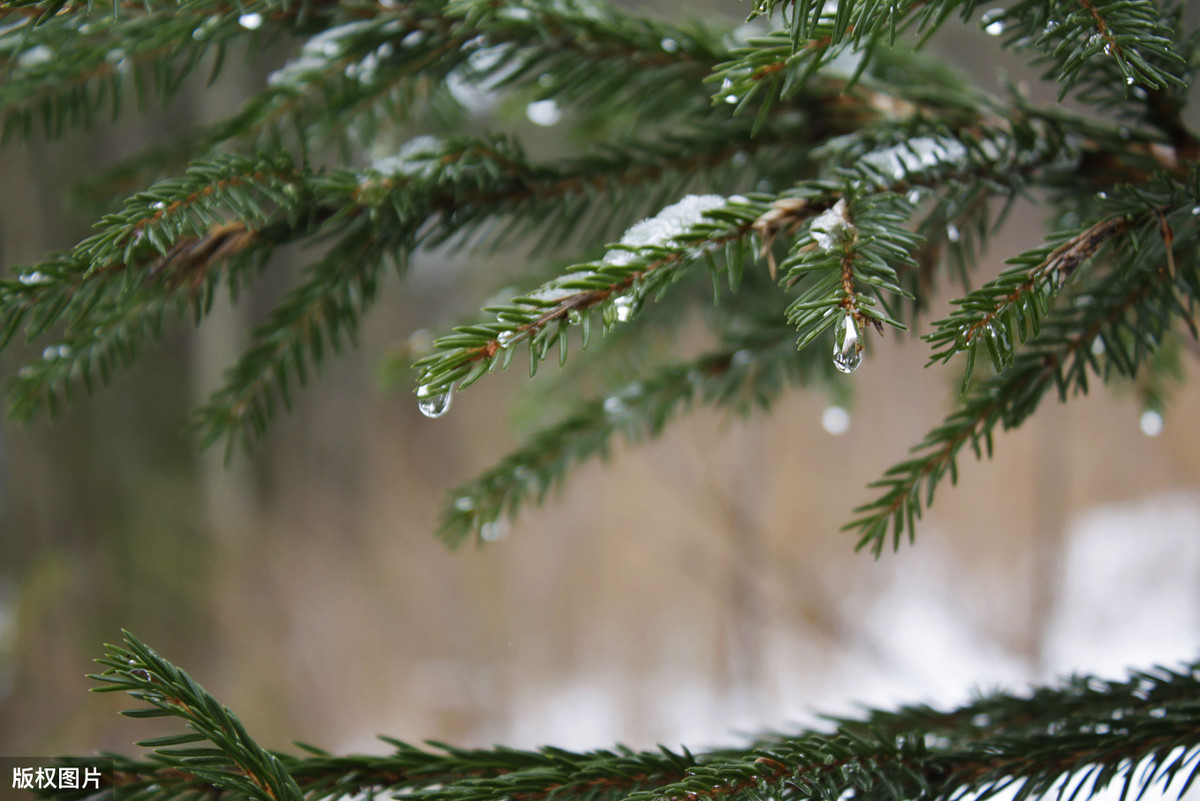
(669, 44)
(847, 350)
(1098, 347)
(1101, 196)
(742, 358)
(992, 22)
(50, 353)
(505, 338)
(433, 405)
(205, 28)
(614, 405)
(952, 232)
(494, 530)
(1151, 423)
(252, 21)
(158, 205)
(464, 504)
(574, 317)
(835, 420)
(624, 308)
(1108, 48)
(1196, 211)
(1050, 26)
(1129, 80)
(543, 112)
(914, 196)
(731, 99)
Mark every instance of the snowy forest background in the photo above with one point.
(691, 589)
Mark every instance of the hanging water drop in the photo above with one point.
(494, 530)
(1151, 423)
(505, 339)
(543, 112)
(847, 350)
(993, 22)
(952, 232)
(433, 405)
(574, 317)
(669, 45)
(251, 21)
(624, 308)
(835, 420)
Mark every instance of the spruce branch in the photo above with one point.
(169, 241)
(156, 255)
(436, 771)
(357, 67)
(449, 191)
(1128, 310)
(1084, 731)
(1106, 47)
(651, 256)
(1079, 704)
(656, 253)
(64, 66)
(232, 760)
(1007, 310)
(856, 241)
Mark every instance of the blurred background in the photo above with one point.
(687, 591)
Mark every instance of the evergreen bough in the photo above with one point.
(820, 174)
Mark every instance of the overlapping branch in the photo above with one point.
(1136, 733)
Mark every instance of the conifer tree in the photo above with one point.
(804, 187)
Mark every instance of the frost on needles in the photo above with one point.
(801, 185)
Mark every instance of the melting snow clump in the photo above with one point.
(669, 223)
(417, 157)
